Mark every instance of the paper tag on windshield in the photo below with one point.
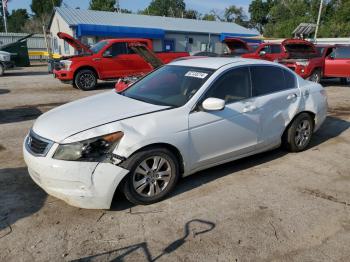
(196, 74)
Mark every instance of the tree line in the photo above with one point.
(272, 18)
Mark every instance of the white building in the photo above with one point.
(167, 33)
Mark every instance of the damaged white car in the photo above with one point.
(184, 117)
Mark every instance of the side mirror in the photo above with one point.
(213, 104)
(262, 53)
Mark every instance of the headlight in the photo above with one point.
(303, 63)
(65, 64)
(90, 150)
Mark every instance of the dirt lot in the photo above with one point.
(271, 207)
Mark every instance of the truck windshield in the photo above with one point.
(169, 86)
(98, 47)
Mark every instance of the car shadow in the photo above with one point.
(19, 114)
(25, 113)
(20, 197)
(17, 72)
(4, 91)
(332, 127)
(333, 82)
(193, 227)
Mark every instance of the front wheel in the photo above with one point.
(315, 76)
(153, 174)
(298, 135)
(85, 80)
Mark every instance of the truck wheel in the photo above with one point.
(153, 174)
(315, 76)
(298, 135)
(85, 80)
(344, 81)
(2, 70)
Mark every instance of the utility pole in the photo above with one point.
(4, 14)
(117, 6)
(318, 20)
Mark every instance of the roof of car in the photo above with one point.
(217, 62)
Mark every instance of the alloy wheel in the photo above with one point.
(303, 133)
(86, 81)
(152, 176)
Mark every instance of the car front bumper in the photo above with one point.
(64, 75)
(88, 185)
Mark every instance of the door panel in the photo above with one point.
(338, 63)
(221, 135)
(277, 98)
(217, 136)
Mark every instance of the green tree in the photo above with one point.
(43, 9)
(234, 14)
(102, 5)
(259, 13)
(170, 8)
(209, 17)
(17, 20)
(191, 14)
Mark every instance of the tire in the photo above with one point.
(2, 70)
(344, 81)
(298, 135)
(138, 183)
(85, 80)
(315, 76)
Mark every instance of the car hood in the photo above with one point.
(236, 43)
(83, 114)
(76, 44)
(298, 48)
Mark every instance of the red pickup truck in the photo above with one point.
(336, 61)
(108, 59)
(307, 60)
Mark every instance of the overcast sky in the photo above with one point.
(202, 6)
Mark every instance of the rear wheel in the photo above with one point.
(85, 80)
(2, 70)
(298, 135)
(315, 76)
(153, 174)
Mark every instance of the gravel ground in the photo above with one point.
(271, 207)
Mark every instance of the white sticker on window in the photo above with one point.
(196, 74)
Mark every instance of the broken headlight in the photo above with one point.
(90, 150)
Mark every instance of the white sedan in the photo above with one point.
(184, 117)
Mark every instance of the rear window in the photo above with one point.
(267, 80)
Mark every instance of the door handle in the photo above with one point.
(249, 109)
(292, 96)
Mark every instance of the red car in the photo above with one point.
(336, 61)
(108, 59)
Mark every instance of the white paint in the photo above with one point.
(203, 138)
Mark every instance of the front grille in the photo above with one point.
(37, 145)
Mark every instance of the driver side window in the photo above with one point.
(232, 86)
(117, 49)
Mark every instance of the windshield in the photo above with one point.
(169, 86)
(98, 47)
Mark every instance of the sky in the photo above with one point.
(203, 6)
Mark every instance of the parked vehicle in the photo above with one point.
(304, 59)
(234, 47)
(108, 59)
(336, 61)
(184, 117)
(5, 62)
